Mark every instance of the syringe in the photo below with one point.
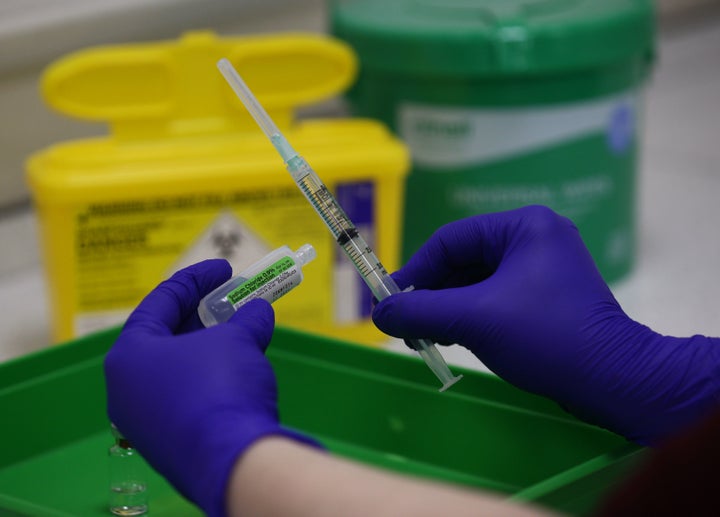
(343, 230)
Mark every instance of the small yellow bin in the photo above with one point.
(185, 175)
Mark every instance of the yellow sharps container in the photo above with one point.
(185, 174)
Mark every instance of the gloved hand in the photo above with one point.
(520, 290)
(191, 399)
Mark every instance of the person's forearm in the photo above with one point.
(280, 477)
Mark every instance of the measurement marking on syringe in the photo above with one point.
(323, 202)
(364, 266)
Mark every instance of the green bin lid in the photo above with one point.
(495, 37)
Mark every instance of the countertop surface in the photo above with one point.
(675, 285)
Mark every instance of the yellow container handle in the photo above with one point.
(174, 88)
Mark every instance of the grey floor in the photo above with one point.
(675, 287)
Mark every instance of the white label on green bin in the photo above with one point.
(450, 136)
(577, 158)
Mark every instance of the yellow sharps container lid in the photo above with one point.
(173, 88)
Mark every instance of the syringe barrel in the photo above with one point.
(348, 238)
(373, 273)
(381, 284)
(321, 198)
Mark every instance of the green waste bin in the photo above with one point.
(370, 405)
(505, 103)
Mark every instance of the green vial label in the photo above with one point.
(266, 282)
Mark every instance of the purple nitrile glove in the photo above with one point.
(192, 399)
(520, 290)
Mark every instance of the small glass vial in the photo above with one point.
(269, 278)
(128, 486)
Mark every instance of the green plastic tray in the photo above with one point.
(371, 405)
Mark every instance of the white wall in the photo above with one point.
(676, 7)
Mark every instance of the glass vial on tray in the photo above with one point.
(128, 484)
